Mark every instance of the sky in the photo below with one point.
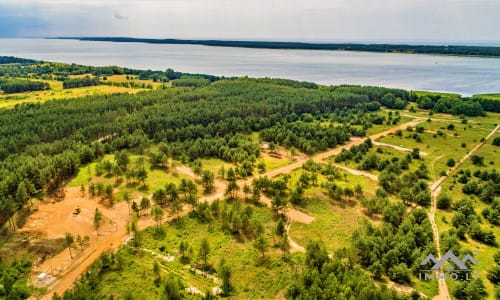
(469, 21)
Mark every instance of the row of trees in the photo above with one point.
(454, 105)
(80, 82)
(10, 86)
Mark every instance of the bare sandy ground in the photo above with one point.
(54, 219)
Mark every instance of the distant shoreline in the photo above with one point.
(460, 50)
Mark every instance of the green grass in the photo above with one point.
(252, 278)
(442, 148)
(378, 128)
(214, 164)
(157, 178)
(487, 96)
(387, 153)
(273, 162)
(426, 93)
(482, 253)
(56, 92)
(334, 222)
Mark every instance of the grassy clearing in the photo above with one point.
(215, 164)
(135, 80)
(488, 96)
(252, 278)
(57, 93)
(157, 178)
(452, 144)
(378, 128)
(482, 253)
(334, 222)
(273, 162)
(383, 153)
(443, 94)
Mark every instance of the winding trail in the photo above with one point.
(444, 293)
(357, 172)
(403, 149)
(113, 241)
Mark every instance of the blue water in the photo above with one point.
(458, 74)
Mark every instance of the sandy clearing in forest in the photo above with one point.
(54, 219)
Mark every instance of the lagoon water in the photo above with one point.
(458, 74)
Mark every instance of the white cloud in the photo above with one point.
(260, 19)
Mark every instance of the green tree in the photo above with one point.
(232, 189)
(247, 190)
(176, 208)
(450, 163)
(97, 220)
(144, 204)
(443, 201)
(204, 251)
(157, 213)
(225, 274)
(316, 254)
(280, 228)
(285, 245)
(172, 288)
(183, 247)
(261, 245)
(207, 181)
(69, 242)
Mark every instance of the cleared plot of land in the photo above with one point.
(482, 253)
(441, 147)
(383, 152)
(156, 178)
(332, 222)
(134, 80)
(251, 277)
(56, 92)
(488, 96)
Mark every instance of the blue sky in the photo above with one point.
(312, 20)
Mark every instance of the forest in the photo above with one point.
(134, 149)
(423, 49)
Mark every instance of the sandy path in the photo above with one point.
(444, 294)
(114, 240)
(357, 172)
(403, 149)
(324, 155)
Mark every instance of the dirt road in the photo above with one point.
(115, 239)
(324, 155)
(444, 293)
(403, 149)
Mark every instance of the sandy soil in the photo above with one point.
(54, 219)
(403, 149)
(357, 172)
(435, 190)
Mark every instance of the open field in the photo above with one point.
(252, 278)
(488, 96)
(441, 143)
(56, 92)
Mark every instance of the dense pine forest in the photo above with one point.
(242, 125)
(424, 49)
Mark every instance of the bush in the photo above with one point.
(443, 201)
(496, 141)
(451, 162)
